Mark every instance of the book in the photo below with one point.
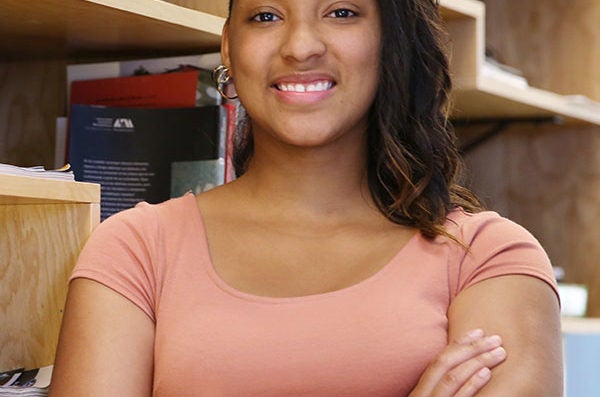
(60, 141)
(145, 154)
(182, 88)
(124, 68)
(22, 382)
(233, 109)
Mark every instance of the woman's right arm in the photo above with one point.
(106, 345)
(462, 368)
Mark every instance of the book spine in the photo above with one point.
(231, 127)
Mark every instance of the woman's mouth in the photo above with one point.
(316, 86)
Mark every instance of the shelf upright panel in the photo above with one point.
(465, 22)
(43, 226)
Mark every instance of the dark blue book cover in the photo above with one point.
(139, 154)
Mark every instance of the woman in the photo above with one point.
(344, 261)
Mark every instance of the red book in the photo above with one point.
(166, 90)
(229, 141)
(189, 87)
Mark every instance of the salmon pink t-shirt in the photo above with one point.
(373, 338)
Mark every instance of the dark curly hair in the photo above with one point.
(414, 165)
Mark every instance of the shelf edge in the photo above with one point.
(27, 190)
(538, 98)
(470, 8)
(169, 13)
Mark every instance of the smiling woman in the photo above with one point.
(280, 53)
(345, 259)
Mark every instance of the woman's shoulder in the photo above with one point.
(484, 225)
(494, 245)
(148, 222)
(145, 212)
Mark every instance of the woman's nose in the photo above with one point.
(302, 41)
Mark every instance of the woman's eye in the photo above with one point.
(342, 13)
(265, 17)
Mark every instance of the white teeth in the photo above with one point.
(312, 87)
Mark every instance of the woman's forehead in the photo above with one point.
(296, 2)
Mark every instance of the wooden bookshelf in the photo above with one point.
(16, 190)
(550, 172)
(47, 221)
(40, 38)
(479, 97)
(43, 226)
(80, 28)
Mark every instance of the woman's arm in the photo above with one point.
(106, 345)
(526, 361)
(463, 367)
(524, 311)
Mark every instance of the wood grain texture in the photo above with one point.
(39, 245)
(547, 178)
(215, 7)
(556, 43)
(33, 95)
(56, 29)
(27, 190)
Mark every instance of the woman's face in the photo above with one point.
(305, 70)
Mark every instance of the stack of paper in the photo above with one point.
(63, 173)
(30, 383)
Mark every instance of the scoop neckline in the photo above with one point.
(219, 282)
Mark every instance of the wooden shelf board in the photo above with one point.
(458, 9)
(65, 28)
(18, 190)
(491, 99)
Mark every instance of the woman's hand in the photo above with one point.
(462, 368)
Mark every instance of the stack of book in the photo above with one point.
(147, 130)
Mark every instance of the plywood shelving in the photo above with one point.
(43, 225)
(78, 28)
(476, 96)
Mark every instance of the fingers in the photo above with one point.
(475, 383)
(470, 376)
(462, 368)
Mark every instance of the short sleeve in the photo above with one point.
(122, 253)
(495, 246)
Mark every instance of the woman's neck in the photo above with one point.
(320, 182)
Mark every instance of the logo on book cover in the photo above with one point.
(114, 124)
(123, 124)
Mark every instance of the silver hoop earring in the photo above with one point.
(221, 77)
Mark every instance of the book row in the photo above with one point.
(147, 130)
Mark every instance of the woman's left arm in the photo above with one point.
(524, 311)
